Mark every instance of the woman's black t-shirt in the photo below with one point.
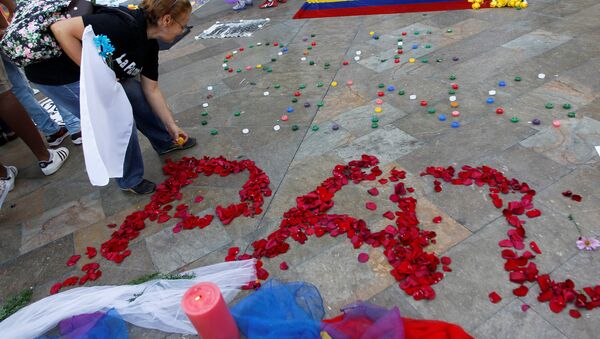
(134, 53)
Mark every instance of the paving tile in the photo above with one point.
(570, 145)
(58, 222)
(170, 251)
(512, 322)
(582, 270)
(387, 144)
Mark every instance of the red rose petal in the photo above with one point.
(373, 191)
(91, 252)
(446, 260)
(283, 266)
(521, 291)
(363, 257)
(575, 314)
(567, 193)
(111, 225)
(198, 199)
(505, 243)
(446, 268)
(437, 188)
(55, 288)
(533, 213)
(534, 247)
(576, 197)
(524, 307)
(437, 219)
(389, 215)
(371, 206)
(163, 218)
(73, 260)
(495, 297)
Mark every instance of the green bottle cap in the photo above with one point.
(549, 105)
(214, 132)
(319, 84)
(273, 59)
(381, 85)
(517, 78)
(311, 63)
(374, 125)
(205, 113)
(295, 127)
(313, 35)
(451, 91)
(204, 122)
(425, 61)
(277, 85)
(567, 106)
(239, 70)
(315, 128)
(514, 119)
(427, 46)
(431, 110)
(571, 114)
(452, 77)
(302, 86)
(374, 119)
(449, 30)
(309, 47)
(237, 114)
(321, 104)
(401, 92)
(294, 100)
(416, 32)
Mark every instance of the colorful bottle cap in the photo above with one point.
(334, 84)
(455, 58)
(245, 131)
(277, 85)
(455, 114)
(571, 114)
(502, 84)
(214, 132)
(536, 121)
(492, 92)
(374, 125)
(320, 104)
(237, 114)
(295, 127)
(307, 104)
(276, 128)
(567, 106)
(423, 103)
(455, 124)
(204, 113)
(290, 109)
(514, 119)
(391, 88)
(556, 123)
(412, 97)
(266, 93)
(374, 119)
(381, 85)
(541, 76)
(294, 100)
(315, 128)
(415, 46)
(517, 78)
(302, 86)
(380, 94)
(442, 117)
(349, 83)
(490, 100)
(431, 110)
(549, 105)
(499, 110)
(451, 92)
(378, 101)
(204, 122)
(335, 127)
(454, 86)
(452, 77)
(411, 60)
(319, 84)
(401, 92)
(378, 109)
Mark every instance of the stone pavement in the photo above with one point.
(46, 220)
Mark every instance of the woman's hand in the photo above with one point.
(177, 133)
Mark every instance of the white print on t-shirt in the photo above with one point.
(128, 67)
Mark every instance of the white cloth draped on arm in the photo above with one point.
(106, 115)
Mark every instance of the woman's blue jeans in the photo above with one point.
(145, 119)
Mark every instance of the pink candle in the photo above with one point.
(204, 306)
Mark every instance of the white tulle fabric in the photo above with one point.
(158, 305)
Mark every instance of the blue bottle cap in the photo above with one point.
(391, 88)
(442, 117)
(290, 109)
(455, 124)
(502, 84)
(490, 100)
(415, 46)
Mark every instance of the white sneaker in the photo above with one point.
(8, 184)
(248, 2)
(240, 5)
(57, 158)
